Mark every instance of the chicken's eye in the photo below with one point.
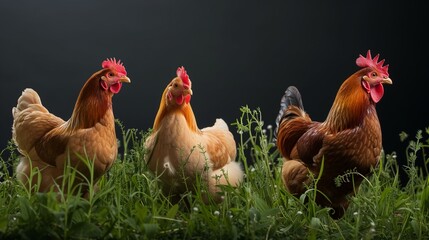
(373, 74)
(111, 74)
(175, 85)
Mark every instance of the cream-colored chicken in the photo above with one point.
(179, 152)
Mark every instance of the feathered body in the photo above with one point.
(349, 140)
(49, 144)
(179, 152)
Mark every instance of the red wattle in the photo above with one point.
(179, 100)
(116, 87)
(188, 98)
(377, 92)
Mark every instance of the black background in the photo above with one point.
(236, 53)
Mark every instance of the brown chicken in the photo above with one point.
(48, 143)
(179, 152)
(348, 141)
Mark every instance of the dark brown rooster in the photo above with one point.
(348, 142)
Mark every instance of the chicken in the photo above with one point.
(179, 152)
(50, 144)
(348, 141)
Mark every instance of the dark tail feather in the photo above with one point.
(292, 97)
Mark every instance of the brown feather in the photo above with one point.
(91, 104)
(52, 143)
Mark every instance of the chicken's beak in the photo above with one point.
(387, 81)
(187, 91)
(124, 79)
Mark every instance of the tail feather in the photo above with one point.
(28, 98)
(31, 120)
(220, 123)
(292, 97)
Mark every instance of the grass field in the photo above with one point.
(130, 205)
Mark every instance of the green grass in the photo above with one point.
(130, 204)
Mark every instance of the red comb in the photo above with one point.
(181, 73)
(115, 65)
(361, 61)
